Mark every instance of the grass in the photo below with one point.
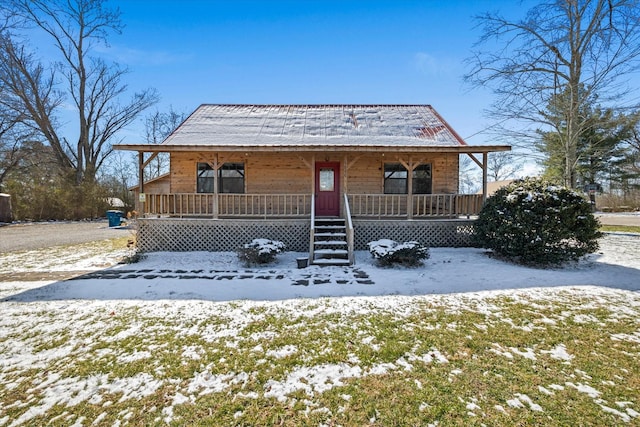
(620, 228)
(103, 252)
(552, 357)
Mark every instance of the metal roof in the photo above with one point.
(312, 127)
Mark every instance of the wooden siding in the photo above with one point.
(277, 173)
(291, 173)
(157, 185)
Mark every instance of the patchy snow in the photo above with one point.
(585, 388)
(559, 352)
(520, 400)
(195, 285)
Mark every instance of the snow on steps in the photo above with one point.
(330, 242)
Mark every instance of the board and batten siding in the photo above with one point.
(292, 173)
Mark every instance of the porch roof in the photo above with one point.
(313, 128)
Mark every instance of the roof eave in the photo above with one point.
(150, 148)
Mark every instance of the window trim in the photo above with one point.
(207, 168)
(393, 167)
(399, 167)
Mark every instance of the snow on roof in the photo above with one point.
(310, 125)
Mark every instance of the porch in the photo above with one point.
(224, 222)
(273, 206)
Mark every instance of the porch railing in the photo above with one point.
(300, 205)
(420, 205)
(228, 205)
(349, 228)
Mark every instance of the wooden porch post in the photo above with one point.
(410, 166)
(483, 165)
(485, 157)
(410, 190)
(141, 200)
(345, 184)
(215, 187)
(313, 175)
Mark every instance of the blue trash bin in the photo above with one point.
(114, 217)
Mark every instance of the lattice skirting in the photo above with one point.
(179, 235)
(168, 234)
(434, 233)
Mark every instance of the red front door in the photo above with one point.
(328, 189)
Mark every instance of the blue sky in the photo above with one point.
(391, 52)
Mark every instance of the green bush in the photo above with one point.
(388, 253)
(260, 251)
(534, 222)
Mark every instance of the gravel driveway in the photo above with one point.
(28, 236)
(632, 218)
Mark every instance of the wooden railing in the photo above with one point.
(264, 205)
(312, 231)
(378, 205)
(180, 204)
(421, 205)
(446, 205)
(300, 205)
(228, 205)
(350, 233)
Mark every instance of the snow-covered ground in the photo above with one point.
(221, 277)
(73, 316)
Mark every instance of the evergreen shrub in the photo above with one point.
(260, 251)
(534, 222)
(388, 253)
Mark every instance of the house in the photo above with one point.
(329, 178)
(494, 186)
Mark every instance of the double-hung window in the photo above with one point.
(230, 178)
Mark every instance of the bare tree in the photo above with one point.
(502, 165)
(583, 49)
(469, 176)
(158, 125)
(93, 86)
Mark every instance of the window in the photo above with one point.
(230, 178)
(326, 179)
(205, 178)
(396, 179)
(422, 179)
